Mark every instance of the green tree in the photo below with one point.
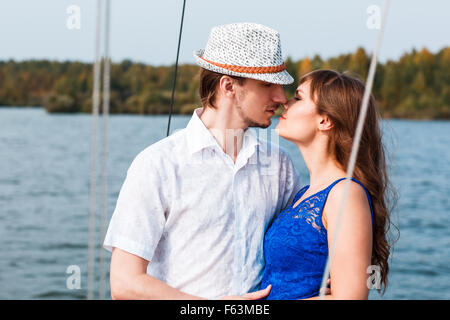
(359, 63)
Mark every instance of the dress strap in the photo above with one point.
(300, 193)
(334, 183)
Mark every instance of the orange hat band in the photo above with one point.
(240, 69)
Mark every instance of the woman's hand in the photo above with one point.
(251, 295)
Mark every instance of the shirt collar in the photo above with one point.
(199, 137)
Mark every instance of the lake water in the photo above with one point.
(44, 199)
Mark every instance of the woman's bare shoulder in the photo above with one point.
(356, 201)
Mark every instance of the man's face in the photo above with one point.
(256, 101)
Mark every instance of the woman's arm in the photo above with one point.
(353, 249)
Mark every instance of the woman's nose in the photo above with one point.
(287, 104)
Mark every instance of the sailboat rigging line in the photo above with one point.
(355, 147)
(105, 115)
(176, 69)
(93, 180)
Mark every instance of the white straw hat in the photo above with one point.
(246, 50)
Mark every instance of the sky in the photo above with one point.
(147, 30)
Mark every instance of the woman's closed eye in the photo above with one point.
(297, 97)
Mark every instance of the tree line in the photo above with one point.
(415, 86)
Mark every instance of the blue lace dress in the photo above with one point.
(296, 248)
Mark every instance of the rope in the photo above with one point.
(176, 69)
(355, 147)
(106, 87)
(241, 69)
(93, 181)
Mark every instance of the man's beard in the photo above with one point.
(250, 122)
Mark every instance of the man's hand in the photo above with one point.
(326, 291)
(251, 295)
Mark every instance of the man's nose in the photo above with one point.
(279, 96)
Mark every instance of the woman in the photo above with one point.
(321, 120)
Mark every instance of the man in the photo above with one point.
(191, 215)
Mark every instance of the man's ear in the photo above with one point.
(226, 86)
(325, 123)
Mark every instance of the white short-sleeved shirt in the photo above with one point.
(199, 218)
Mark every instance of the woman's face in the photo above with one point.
(300, 122)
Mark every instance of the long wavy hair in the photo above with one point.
(339, 97)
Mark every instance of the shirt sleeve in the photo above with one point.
(291, 181)
(138, 220)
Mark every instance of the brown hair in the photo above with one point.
(339, 97)
(208, 84)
